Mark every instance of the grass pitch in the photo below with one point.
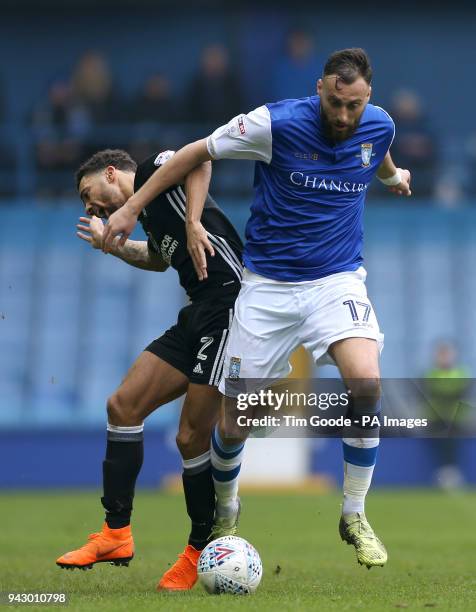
(430, 538)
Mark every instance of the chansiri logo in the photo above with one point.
(315, 182)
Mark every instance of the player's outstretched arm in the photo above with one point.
(137, 253)
(197, 183)
(122, 222)
(134, 252)
(396, 179)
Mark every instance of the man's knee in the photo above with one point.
(192, 441)
(365, 388)
(123, 413)
(230, 432)
(365, 396)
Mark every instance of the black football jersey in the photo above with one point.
(163, 221)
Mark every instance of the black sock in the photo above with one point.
(124, 456)
(200, 500)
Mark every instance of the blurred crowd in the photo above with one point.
(87, 110)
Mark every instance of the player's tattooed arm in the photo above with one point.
(397, 179)
(137, 253)
(122, 222)
(196, 190)
(134, 252)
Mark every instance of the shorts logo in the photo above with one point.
(241, 125)
(234, 371)
(198, 369)
(366, 153)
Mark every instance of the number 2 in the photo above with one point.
(206, 341)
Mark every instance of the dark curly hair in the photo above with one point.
(102, 159)
(349, 65)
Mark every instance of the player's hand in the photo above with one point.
(120, 223)
(91, 230)
(197, 246)
(403, 188)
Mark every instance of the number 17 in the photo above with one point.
(353, 310)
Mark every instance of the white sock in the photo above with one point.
(226, 464)
(360, 455)
(357, 481)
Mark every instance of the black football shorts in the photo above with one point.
(195, 345)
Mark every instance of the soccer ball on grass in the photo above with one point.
(230, 565)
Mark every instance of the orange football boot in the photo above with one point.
(115, 546)
(183, 573)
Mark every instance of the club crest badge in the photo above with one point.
(234, 371)
(366, 153)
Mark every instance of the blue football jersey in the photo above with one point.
(309, 192)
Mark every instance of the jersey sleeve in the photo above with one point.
(390, 127)
(152, 246)
(147, 168)
(163, 157)
(244, 137)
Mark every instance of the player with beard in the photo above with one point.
(303, 282)
(186, 360)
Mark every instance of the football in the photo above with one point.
(230, 565)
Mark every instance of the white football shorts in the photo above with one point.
(273, 318)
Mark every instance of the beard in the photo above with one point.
(334, 134)
(112, 201)
(112, 207)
